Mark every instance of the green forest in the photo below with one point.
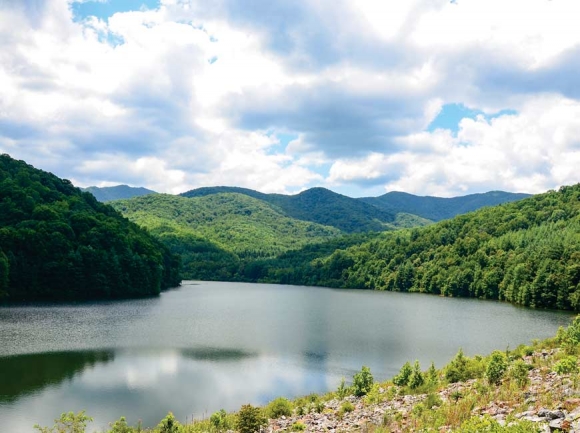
(59, 243)
(217, 234)
(526, 252)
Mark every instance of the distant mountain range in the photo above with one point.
(351, 215)
(317, 205)
(119, 192)
(439, 208)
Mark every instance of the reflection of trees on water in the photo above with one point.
(216, 354)
(26, 374)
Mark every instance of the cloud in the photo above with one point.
(530, 151)
(199, 93)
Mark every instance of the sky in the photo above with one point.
(430, 97)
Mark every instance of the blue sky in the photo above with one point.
(430, 97)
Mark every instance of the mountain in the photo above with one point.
(526, 252)
(57, 242)
(110, 193)
(439, 208)
(317, 205)
(215, 233)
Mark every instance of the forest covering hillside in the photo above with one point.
(118, 192)
(216, 234)
(321, 206)
(439, 208)
(526, 252)
(57, 242)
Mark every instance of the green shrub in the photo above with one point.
(416, 379)
(362, 382)
(298, 426)
(486, 424)
(567, 365)
(279, 407)
(432, 376)
(432, 400)
(345, 407)
(121, 426)
(250, 419)
(496, 367)
(169, 424)
(342, 390)
(375, 396)
(402, 379)
(67, 423)
(220, 421)
(460, 368)
(518, 372)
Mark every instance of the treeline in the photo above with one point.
(527, 253)
(57, 242)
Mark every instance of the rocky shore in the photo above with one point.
(549, 401)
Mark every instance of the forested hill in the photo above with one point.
(526, 252)
(119, 192)
(57, 243)
(318, 205)
(216, 233)
(439, 208)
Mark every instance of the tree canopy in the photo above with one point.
(57, 242)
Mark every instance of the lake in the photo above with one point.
(211, 345)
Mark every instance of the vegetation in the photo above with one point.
(526, 252)
(439, 208)
(437, 403)
(218, 235)
(362, 382)
(316, 205)
(119, 192)
(58, 243)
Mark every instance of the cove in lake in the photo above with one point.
(210, 345)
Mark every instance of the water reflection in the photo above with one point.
(220, 345)
(27, 374)
(148, 384)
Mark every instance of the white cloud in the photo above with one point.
(531, 151)
(188, 94)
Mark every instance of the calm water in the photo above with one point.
(207, 346)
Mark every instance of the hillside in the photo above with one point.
(57, 242)
(216, 233)
(526, 252)
(318, 205)
(119, 192)
(439, 208)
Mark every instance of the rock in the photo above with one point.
(556, 425)
(551, 414)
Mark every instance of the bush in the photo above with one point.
(250, 419)
(432, 375)
(219, 420)
(416, 379)
(67, 423)
(342, 390)
(496, 368)
(362, 382)
(518, 372)
(402, 379)
(169, 424)
(432, 400)
(458, 369)
(298, 426)
(489, 425)
(567, 365)
(345, 407)
(120, 426)
(279, 407)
